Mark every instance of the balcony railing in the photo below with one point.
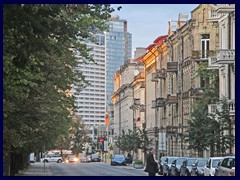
(161, 73)
(202, 54)
(225, 56)
(172, 66)
(214, 108)
(159, 102)
(231, 105)
(196, 92)
(172, 99)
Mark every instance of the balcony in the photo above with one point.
(171, 130)
(172, 66)
(214, 108)
(202, 55)
(196, 92)
(231, 105)
(225, 8)
(159, 102)
(161, 73)
(225, 56)
(212, 63)
(172, 99)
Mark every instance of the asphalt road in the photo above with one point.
(94, 169)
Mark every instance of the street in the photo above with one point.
(93, 169)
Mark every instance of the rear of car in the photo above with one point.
(118, 159)
(198, 167)
(226, 167)
(212, 163)
(186, 168)
(161, 161)
(176, 166)
(95, 158)
(167, 166)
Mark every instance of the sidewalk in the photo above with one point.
(37, 169)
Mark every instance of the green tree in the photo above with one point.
(38, 72)
(202, 127)
(225, 137)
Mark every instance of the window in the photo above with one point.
(205, 45)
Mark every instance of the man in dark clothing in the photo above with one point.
(152, 165)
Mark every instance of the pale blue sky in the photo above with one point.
(148, 21)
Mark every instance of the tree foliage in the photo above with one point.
(210, 131)
(38, 69)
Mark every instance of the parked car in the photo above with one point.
(212, 163)
(118, 159)
(161, 162)
(226, 167)
(186, 167)
(167, 166)
(95, 158)
(129, 160)
(198, 167)
(71, 158)
(53, 158)
(176, 165)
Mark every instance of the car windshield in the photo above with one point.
(202, 163)
(191, 161)
(119, 157)
(215, 162)
(94, 156)
(180, 161)
(170, 160)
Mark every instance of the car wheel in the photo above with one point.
(59, 161)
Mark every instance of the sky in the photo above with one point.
(146, 22)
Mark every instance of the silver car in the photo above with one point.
(226, 167)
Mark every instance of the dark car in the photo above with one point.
(226, 167)
(198, 167)
(186, 168)
(95, 158)
(176, 165)
(161, 162)
(167, 166)
(118, 159)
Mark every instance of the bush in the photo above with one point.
(138, 161)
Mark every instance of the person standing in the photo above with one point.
(152, 165)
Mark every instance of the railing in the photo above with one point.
(159, 102)
(172, 66)
(172, 99)
(225, 56)
(202, 54)
(161, 73)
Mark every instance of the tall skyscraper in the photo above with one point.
(109, 53)
(91, 101)
(118, 49)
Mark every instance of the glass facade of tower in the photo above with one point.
(118, 49)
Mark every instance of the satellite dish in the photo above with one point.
(136, 72)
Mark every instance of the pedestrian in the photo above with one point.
(152, 166)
